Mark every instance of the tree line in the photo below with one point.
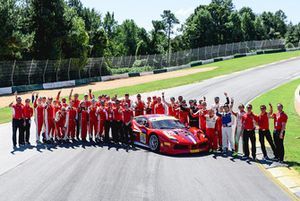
(58, 29)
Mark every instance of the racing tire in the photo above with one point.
(154, 143)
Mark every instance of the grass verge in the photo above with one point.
(285, 95)
(224, 67)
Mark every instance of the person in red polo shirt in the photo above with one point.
(148, 105)
(117, 122)
(248, 124)
(280, 120)
(139, 106)
(171, 105)
(76, 103)
(264, 130)
(159, 108)
(108, 121)
(17, 122)
(153, 103)
(127, 117)
(27, 114)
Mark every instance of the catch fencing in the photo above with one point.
(16, 73)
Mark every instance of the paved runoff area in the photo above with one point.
(5, 100)
(92, 172)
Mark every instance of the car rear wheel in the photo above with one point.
(154, 143)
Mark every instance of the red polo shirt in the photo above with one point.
(76, 103)
(117, 114)
(248, 121)
(17, 111)
(263, 121)
(127, 115)
(159, 109)
(279, 118)
(27, 111)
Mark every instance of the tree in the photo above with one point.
(158, 41)
(76, 43)
(169, 20)
(15, 38)
(199, 29)
(235, 33)
(50, 27)
(248, 27)
(293, 35)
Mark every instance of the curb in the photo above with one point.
(71, 83)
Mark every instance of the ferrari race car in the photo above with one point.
(166, 134)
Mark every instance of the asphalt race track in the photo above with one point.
(114, 173)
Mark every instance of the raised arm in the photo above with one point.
(90, 94)
(16, 95)
(71, 93)
(58, 95)
(35, 100)
(227, 98)
(270, 111)
(164, 100)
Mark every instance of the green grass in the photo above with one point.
(224, 67)
(285, 95)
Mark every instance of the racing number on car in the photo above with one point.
(143, 138)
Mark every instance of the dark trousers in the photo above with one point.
(27, 130)
(127, 131)
(249, 134)
(279, 144)
(117, 131)
(107, 127)
(18, 125)
(266, 134)
(194, 123)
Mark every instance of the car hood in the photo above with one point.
(181, 136)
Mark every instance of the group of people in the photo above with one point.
(62, 121)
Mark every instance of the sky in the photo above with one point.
(144, 11)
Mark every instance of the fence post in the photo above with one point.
(146, 64)
(100, 67)
(45, 69)
(239, 48)
(30, 71)
(225, 49)
(58, 68)
(129, 63)
(12, 73)
(69, 67)
(219, 50)
(90, 66)
(205, 53)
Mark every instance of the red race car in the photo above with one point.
(166, 134)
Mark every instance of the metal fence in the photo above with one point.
(15, 73)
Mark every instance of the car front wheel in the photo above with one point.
(154, 143)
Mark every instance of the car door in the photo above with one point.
(141, 133)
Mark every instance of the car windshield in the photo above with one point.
(167, 124)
